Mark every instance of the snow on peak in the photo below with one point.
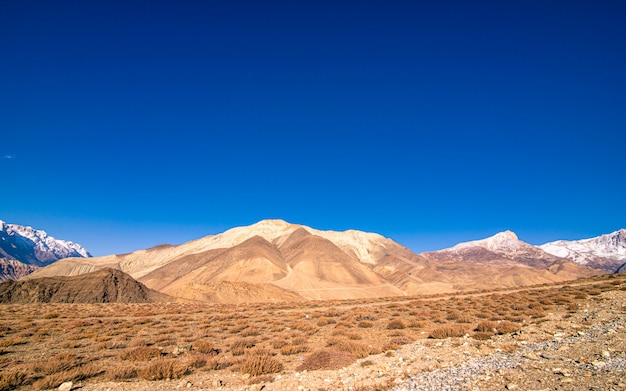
(611, 246)
(502, 241)
(33, 246)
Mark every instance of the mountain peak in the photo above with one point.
(606, 252)
(35, 247)
(506, 240)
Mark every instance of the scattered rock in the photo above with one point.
(67, 386)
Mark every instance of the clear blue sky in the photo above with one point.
(125, 124)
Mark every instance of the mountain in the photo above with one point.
(35, 247)
(508, 261)
(503, 247)
(606, 252)
(102, 286)
(273, 260)
(32, 248)
(311, 263)
(10, 269)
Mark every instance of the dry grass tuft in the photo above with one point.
(162, 369)
(506, 327)
(260, 362)
(11, 379)
(327, 359)
(396, 324)
(448, 331)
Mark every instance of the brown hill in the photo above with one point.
(274, 260)
(102, 286)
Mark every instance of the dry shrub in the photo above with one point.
(465, 318)
(219, 363)
(278, 343)
(250, 332)
(482, 336)
(360, 350)
(121, 372)
(293, 349)
(486, 326)
(198, 360)
(11, 379)
(419, 324)
(321, 322)
(507, 327)
(365, 324)
(395, 324)
(58, 363)
(6, 342)
(326, 359)
(238, 348)
(206, 347)
(448, 331)
(75, 374)
(141, 354)
(162, 369)
(260, 362)
(397, 342)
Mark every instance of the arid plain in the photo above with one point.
(369, 344)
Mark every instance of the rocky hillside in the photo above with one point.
(103, 286)
(11, 269)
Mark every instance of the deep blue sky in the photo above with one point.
(128, 124)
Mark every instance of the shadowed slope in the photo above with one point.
(102, 286)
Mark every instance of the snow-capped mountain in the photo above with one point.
(35, 247)
(606, 252)
(501, 247)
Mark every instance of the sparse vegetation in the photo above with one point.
(121, 342)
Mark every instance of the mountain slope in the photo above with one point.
(102, 286)
(274, 261)
(606, 252)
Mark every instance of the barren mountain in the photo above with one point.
(102, 286)
(605, 252)
(275, 261)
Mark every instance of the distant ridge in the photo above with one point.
(23, 249)
(102, 286)
(606, 252)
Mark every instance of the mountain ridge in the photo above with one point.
(314, 264)
(23, 249)
(606, 252)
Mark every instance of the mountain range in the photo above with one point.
(23, 249)
(277, 261)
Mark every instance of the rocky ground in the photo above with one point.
(585, 350)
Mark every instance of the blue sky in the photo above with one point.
(128, 124)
